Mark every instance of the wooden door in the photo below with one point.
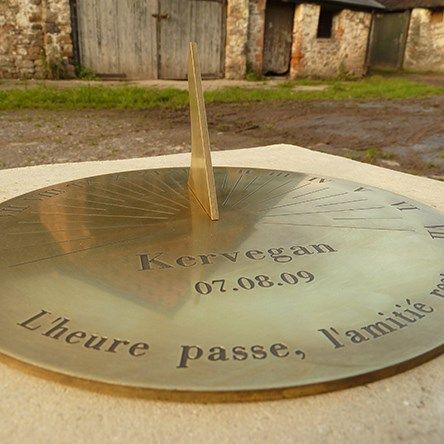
(202, 21)
(387, 41)
(118, 37)
(278, 37)
(147, 39)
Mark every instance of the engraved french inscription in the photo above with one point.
(403, 315)
(439, 290)
(59, 328)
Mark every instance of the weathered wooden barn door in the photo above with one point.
(278, 37)
(387, 40)
(118, 36)
(147, 39)
(201, 21)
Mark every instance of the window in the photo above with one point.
(325, 24)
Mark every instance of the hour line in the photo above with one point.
(310, 192)
(302, 202)
(232, 190)
(160, 189)
(50, 243)
(171, 200)
(158, 195)
(254, 191)
(224, 183)
(367, 218)
(337, 226)
(134, 208)
(340, 203)
(249, 183)
(79, 251)
(279, 186)
(157, 203)
(320, 212)
(98, 215)
(89, 228)
(101, 196)
(279, 195)
(117, 206)
(177, 193)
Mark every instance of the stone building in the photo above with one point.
(321, 39)
(35, 39)
(148, 38)
(421, 44)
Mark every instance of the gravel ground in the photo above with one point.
(406, 135)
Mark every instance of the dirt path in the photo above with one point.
(406, 135)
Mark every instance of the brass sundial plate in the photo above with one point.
(124, 279)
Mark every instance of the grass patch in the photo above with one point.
(130, 97)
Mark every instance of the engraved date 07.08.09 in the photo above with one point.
(259, 281)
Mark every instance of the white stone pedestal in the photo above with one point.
(408, 407)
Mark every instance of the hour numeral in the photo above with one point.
(436, 231)
(361, 189)
(45, 194)
(404, 206)
(10, 210)
(318, 180)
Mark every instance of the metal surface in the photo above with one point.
(303, 282)
(201, 177)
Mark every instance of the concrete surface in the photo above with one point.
(408, 407)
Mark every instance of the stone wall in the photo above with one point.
(425, 43)
(236, 40)
(35, 39)
(341, 55)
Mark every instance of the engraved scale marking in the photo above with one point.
(341, 203)
(157, 195)
(275, 196)
(233, 189)
(254, 191)
(43, 244)
(323, 212)
(82, 250)
(310, 192)
(98, 215)
(367, 218)
(304, 201)
(337, 226)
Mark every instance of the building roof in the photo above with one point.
(393, 5)
(355, 4)
(370, 4)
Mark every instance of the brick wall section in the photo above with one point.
(21, 38)
(35, 39)
(425, 43)
(57, 36)
(342, 54)
(236, 41)
(256, 29)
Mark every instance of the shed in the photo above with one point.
(408, 34)
(320, 38)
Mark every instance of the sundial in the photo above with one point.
(220, 279)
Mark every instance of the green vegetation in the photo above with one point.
(131, 97)
(372, 154)
(84, 73)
